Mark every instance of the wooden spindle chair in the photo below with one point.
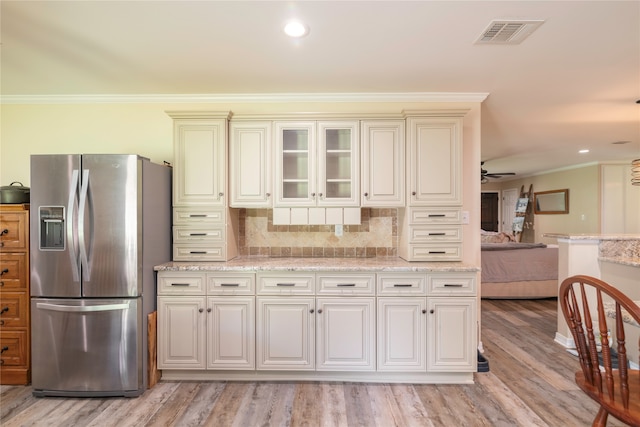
(583, 300)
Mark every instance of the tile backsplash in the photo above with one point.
(376, 236)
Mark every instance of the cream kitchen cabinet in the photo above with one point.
(206, 321)
(250, 166)
(317, 163)
(202, 223)
(328, 333)
(402, 322)
(452, 334)
(383, 163)
(434, 161)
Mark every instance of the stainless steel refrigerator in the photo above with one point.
(99, 224)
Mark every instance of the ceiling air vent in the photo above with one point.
(508, 31)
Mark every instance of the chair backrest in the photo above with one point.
(584, 300)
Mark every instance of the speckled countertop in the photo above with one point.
(600, 237)
(379, 264)
(615, 248)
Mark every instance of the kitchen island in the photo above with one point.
(336, 319)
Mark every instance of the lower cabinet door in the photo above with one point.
(231, 332)
(402, 324)
(452, 334)
(285, 335)
(181, 341)
(345, 334)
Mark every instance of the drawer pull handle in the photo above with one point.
(3, 232)
(285, 284)
(4, 271)
(179, 284)
(346, 284)
(437, 234)
(437, 215)
(198, 252)
(453, 285)
(401, 285)
(4, 310)
(197, 234)
(5, 348)
(1, 284)
(437, 252)
(230, 284)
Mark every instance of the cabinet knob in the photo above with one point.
(319, 194)
(4, 310)
(201, 310)
(413, 193)
(3, 232)
(311, 311)
(4, 271)
(1, 284)
(220, 194)
(268, 194)
(432, 311)
(3, 349)
(424, 311)
(209, 310)
(366, 194)
(319, 311)
(313, 194)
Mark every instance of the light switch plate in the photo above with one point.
(465, 217)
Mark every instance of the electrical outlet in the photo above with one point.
(338, 230)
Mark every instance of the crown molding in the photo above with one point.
(246, 98)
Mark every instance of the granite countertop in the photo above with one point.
(632, 261)
(380, 264)
(594, 236)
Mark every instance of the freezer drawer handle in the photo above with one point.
(82, 308)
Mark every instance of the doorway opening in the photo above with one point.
(490, 211)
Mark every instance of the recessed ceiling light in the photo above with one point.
(296, 29)
(583, 151)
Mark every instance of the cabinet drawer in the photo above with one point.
(14, 228)
(435, 233)
(451, 284)
(192, 252)
(14, 309)
(13, 271)
(402, 284)
(346, 284)
(435, 216)
(187, 283)
(230, 284)
(198, 234)
(184, 216)
(13, 348)
(436, 252)
(286, 284)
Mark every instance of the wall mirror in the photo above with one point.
(551, 202)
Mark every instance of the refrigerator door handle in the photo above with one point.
(85, 200)
(82, 308)
(71, 221)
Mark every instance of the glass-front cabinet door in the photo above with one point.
(295, 163)
(338, 161)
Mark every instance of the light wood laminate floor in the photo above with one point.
(530, 383)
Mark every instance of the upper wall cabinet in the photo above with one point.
(434, 163)
(250, 164)
(199, 174)
(383, 163)
(317, 163)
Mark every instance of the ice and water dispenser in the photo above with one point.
(51, 227)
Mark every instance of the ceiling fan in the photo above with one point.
(484, 175)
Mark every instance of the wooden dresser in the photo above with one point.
(15, 340)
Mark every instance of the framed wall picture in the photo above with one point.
(521, 206)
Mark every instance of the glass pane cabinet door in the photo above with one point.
(339, 160)
(296, 160)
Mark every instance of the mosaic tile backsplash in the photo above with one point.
(376, 236)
